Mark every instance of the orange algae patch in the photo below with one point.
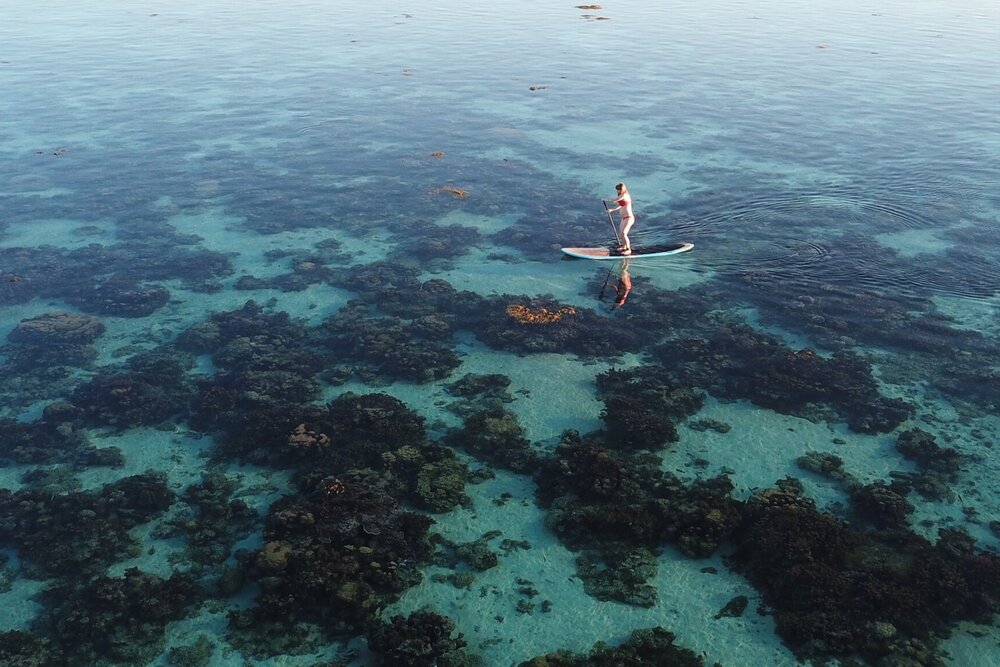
(457, 193)
(526, 315)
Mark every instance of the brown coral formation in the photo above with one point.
(526, 315)
(302, 439)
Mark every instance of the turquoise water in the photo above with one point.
(397, 179)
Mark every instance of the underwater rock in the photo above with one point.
(57, 328)
(432, 477)
(213, 522)
(610, 503)
(885, 506)
(493, 385)
(119, 298)
(654, 387)
(475, 554)
(198, 654)
(827, 465)
(630, 425)
(709, 425)
(621, 577)
(921, 447)
(734, 608)
(441, 486)
(50, 441)
(478, 393)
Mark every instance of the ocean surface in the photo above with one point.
(293, 371)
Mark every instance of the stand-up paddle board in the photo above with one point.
(637, 251)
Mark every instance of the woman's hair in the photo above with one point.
(621, 186)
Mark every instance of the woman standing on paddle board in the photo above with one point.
(624, 205)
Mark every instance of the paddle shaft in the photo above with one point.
(612, 221)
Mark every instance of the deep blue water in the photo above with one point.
(390, 185)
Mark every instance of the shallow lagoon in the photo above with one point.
(834, 164)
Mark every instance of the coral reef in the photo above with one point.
(80, 532)
(334, 553)
(495, 436)
(837, 590)
(610, 504)
(57, 328)
(422, 639)
(53, 439)
(393, 348)
(937, 466)
(152, 389)
(742, 363)
(121, 620)
(26, 649)
(213, 521)
(652, 646)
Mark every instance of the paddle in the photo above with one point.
(612, 221)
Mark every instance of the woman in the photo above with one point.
(624, 204)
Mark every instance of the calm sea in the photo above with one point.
(390, 184)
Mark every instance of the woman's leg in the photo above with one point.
(627, 225)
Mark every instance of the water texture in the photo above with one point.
(293, 371)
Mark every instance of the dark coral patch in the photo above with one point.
(393, 348)
(654, 647)
(740, 362)
(334, 553)
(152, 388)
(422, 639)
(837, 590)
(121, 620)
(84, 531)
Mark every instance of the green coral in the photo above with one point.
(441, 485)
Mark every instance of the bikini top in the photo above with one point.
(623, 202)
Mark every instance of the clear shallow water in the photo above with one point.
(835, 165)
